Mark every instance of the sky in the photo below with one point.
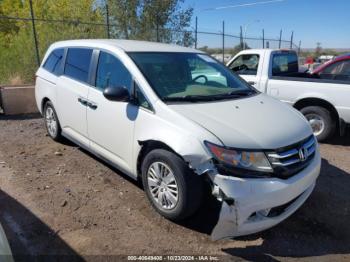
(324, 21)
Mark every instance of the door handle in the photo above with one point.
(82, 101)
(251, 83)
(93, 106)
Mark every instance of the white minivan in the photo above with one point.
(177, 119)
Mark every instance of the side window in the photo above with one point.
(245, 64)
(284, 64)
(344, 71)
(78, 63)
(111, 72)
(54, 61)
(330, 71)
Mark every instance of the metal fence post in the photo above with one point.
(107, 20)
(223, 41)
(263, 31)
(291, 40)
(195, 33)
(34, 33)
(241, 37)
(279, 45)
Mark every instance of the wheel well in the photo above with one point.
(43, 102)
(318, 102)
(148, 146)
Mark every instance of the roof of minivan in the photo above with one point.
(127, 45)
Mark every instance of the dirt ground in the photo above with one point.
(56, 199)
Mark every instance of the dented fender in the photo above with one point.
(186, 139)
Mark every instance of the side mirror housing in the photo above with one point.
(118, 93)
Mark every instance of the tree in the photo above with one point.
(155, 20)
(16, 36)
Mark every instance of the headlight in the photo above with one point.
(252, 160)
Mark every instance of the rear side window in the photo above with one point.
(54, 62)
(78, 63)
(284, 64)
(111, 72)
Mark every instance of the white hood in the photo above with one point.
(258, 122)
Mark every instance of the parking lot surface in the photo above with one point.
(57, 199)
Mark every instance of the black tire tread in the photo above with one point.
(192, 183)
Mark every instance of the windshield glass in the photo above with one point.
(189, 76)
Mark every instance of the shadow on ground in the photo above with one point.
(29, 237)
(340, 140)
(20, 117)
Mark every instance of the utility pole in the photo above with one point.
(195, 33)
(245, 31)
(291, 40)
(223, 42)
(241, 37)
(107, 19)
(34, 33)
(279, 45)
(263, 31)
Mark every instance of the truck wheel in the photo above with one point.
(320, 120)
(51, 122)
(172, 188)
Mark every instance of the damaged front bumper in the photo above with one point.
(251, 205)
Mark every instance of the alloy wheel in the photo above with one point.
(162, 185)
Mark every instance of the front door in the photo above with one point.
(111, 123)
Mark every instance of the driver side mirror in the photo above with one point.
(117, 93)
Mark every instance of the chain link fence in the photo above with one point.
(21, 56)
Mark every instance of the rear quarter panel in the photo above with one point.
(45, 87)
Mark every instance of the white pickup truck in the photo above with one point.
(325, 103)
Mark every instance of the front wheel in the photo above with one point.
(320, 119)
(171, 187)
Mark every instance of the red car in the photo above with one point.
(336, 69)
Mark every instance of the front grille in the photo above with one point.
(290, 160)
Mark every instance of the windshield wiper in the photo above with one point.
(188, 98)
(233, 94)
(198, 98)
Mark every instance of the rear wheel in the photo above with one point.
(171, 187)
(51, 122)
(320, 119)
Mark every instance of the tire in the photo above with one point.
(320, 120)
(189, 185)
(52, 124)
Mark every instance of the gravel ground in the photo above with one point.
(57, 199)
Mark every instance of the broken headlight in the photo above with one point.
(251, 160)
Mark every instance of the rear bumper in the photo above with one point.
(256, 200)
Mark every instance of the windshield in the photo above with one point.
(189, 77)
